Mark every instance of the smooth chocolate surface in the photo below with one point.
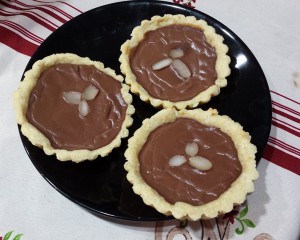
(166, 84)
(60, 122)
(186, 183)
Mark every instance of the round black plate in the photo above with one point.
(101, 186)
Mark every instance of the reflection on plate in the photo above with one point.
(101, 186)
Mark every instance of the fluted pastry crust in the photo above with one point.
(236, 194)
(21, 99)
(214, 39)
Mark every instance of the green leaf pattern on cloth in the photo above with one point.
(220, 228)
(8, 236)
(243, 221)
(18, 237)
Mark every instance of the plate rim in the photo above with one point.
(159, 3)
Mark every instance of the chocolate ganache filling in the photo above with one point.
(60, 122)
(185, 183)
(166, 84)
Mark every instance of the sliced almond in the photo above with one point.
(177, 160)
(83, 108)
(72, 97)
(181, 68)
(176, 53)
(200, 162)
(191, 149)
(162, 64)
(90, 92)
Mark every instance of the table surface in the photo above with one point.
(30, 208)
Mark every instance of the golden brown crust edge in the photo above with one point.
(22, 95)
(222, 62)
(236, 194)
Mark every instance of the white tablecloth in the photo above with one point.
(32, 209)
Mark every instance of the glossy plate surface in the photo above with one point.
(101, 186)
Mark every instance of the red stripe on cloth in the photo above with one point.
(41, 20)
(287, 109)
(285, 127)
(282, 159)
(40, 7)
(284, 97)
(60, 11)
(286, 115)
(16, 42)
(285, 146)
(287, 124)
(23, 31)
(60, 2)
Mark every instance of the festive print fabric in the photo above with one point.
(31, 209)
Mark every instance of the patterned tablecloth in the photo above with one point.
(31, 209)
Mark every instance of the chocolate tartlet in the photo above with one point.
(73, 107)
(191, 164)
(175, 61)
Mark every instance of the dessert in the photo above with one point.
(175, 61)
(191, 164)
(73, 107)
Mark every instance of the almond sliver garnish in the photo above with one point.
(162, 64)
(181, 68)
(72, 97)
(90, 92)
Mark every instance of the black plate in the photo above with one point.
(101, 186)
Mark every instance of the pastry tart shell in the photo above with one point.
(214, 39)
(21, 100)
(235, 195)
